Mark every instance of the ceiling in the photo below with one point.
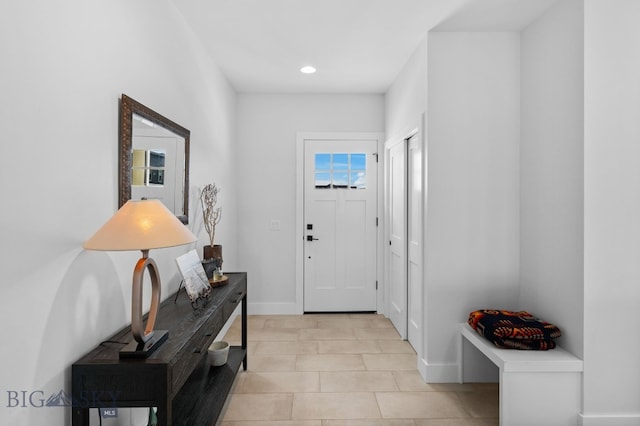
(357, 46)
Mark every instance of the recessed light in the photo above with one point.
(307, 69)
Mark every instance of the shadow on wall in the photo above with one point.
(89, 307)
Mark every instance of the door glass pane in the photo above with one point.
(358, 180)
(340, 161)
(322, 167)
(139, 162)
(340, 179)
(358, 171)
(156, 158)
(358, 161)
(323, 180)
(156, 177)
(323, 161)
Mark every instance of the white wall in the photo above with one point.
(64, 66)
(468, 83)
(266, 139)
(406, 99)
(405, 105)
(551, 191)
(472, 247)
(612, 212)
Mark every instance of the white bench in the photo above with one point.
(536, 387)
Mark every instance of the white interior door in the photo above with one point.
(414, 246)
(340, 236)
(398, 237)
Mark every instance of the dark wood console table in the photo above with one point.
(177, 378)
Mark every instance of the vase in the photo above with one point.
(214, 253)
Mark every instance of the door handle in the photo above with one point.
(310, 238)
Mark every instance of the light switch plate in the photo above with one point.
(274, 225)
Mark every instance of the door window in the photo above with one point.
(148, 167)
(340, 170)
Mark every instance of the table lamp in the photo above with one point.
(142, 225)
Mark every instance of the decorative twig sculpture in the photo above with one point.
(211, 214)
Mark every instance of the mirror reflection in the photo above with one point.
(154, 158)
(148, 167)
(157, 169)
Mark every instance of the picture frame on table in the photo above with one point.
(194, 278)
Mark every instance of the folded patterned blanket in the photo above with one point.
(514, 330)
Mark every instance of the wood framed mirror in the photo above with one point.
(153, 158)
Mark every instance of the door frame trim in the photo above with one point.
(300, 138)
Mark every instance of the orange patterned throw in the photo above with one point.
(514, 330)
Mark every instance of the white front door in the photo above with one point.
(340, 235)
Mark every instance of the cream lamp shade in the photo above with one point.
(142, 225)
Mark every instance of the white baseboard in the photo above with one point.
(273, 309)
(422, 368)
(438, 373)
(609, 419)
(227, 325)
(258, 309)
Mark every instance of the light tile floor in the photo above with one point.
(343, 370)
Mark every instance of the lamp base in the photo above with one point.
(143, 350)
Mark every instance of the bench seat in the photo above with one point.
(536, 387)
